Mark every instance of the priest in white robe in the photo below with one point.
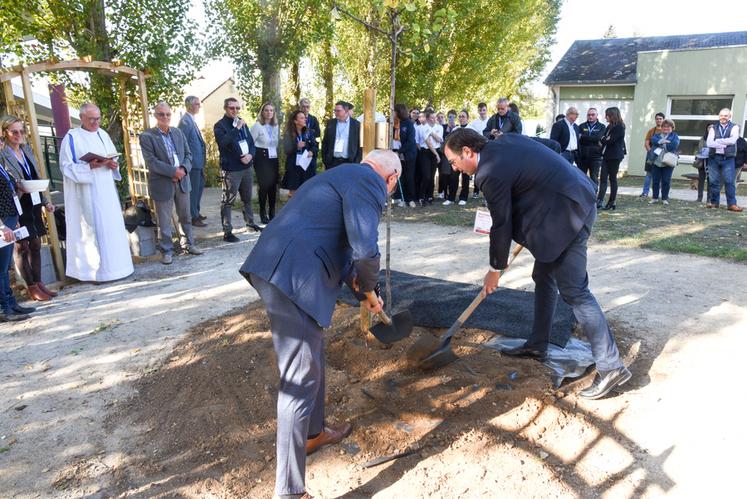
(98, 249)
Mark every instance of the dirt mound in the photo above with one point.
(203, 424)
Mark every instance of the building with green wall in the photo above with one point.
(687, 77)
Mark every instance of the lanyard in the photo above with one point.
(500, 123)
(268, 129)
(340, 131)
(170, 147)
(7, 177)
(23, 162)
(722, 130)
(591, 130)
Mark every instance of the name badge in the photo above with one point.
(244, 147)
(339, 145)
(35, 198)
(18, 205)
(272, 152)
(176, 160)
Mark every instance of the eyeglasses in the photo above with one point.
(17, 132)
(163, 115)
(234, 108)
(93, 118)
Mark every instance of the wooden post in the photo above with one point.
(10, 99)
(369, 120)
(28, 98)
(123, 111)
(143, 98)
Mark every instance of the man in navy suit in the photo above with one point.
(341, 141)
(327, 234)
(196, 145)
(540, 202)
(565, 132)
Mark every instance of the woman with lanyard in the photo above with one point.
(21, 164)
(298, 142)
(9, 205)
(265, 133)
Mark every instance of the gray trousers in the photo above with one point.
(164, 209)
(299, 346)
(236, 182)
(567, 274)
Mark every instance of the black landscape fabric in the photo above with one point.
(437, 303)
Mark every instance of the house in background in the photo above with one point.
(687, 77)
(212, 93)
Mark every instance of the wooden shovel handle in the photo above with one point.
(372, 298)
(481, 296)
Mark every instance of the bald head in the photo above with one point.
(386, 164)
(90, 117)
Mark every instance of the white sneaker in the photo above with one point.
(654, 201)
(401, 204)
(440, 195)
(446, 203)
(462, 203)
(665, 202)
(412, 204)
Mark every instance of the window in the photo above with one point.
(691, 116)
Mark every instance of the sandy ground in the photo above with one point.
(82, 388)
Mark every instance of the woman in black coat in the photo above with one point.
(613, 152)
(298, 140)
(408, 152)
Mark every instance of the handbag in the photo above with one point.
(669, 159)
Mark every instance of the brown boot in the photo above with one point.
(46, 290)
(328, 436)
(37, 294)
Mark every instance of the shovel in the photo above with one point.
(444, 355)
(389, 330)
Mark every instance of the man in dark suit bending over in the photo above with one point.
(326, 235)
(539, 201)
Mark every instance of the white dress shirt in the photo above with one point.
(425, 131)
(573, 140)
(478, 125)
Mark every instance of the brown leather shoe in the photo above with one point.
(735, 208)
(328, 436)
(198, 223)
(47, 291)
(37, 294)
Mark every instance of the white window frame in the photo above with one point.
(685, 158)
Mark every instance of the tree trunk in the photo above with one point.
(328, 77)
(295, 78)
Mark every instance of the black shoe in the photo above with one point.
(22, 310)
(264, 220)
(604, 382)
(230, 238)
(600, 205)
(13, 317)
(254, 227)
(524, 352)
(609, 207)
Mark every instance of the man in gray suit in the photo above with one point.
(169, 160)
(196, 145)
(326, 234)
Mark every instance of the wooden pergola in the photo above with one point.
(136, 171)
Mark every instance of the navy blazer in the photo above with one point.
(327, 233)
(228, 136)
(560, 134)
(407, 137)
(535, 197)
(194, 141)
(355, 152)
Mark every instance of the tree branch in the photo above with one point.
(369, 26)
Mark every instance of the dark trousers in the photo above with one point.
(591, 167)
(7, 300)
(299, 346)
(609, 171)
(337, 162)
(567, 276)
(197, 179)
(407, 180)
(268, 174)
(569, 156)
(427, 165)
(236, 182)
(701, 182)
(663, 176)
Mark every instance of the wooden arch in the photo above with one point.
(124, 73)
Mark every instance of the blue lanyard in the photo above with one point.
(591, 130)
(24, 162)
(500, 123)
(170, 147)
(341, 130)
(722, 130)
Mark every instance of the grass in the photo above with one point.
(679, 183)
(681, 227)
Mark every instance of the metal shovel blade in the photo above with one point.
(397, 329)
(443, 355)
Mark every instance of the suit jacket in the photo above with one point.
(326, 234)
(560, 133)
(511, 123)
(161, 169)
(13, 166)
(228, 136)
(613, 142)
(407, 137)
(313, 124)
(534, 196)
(355, 152)
(195, 141)
(589, 138)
